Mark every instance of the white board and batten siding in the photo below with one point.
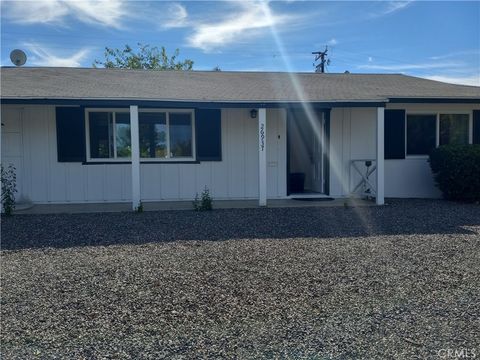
(236, 176)
(29, 142)
(412, 177)
(12, 142)
(352, 136)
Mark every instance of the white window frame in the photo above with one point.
(115, 159)
(87, 134)
(167, 113)
(437, 127)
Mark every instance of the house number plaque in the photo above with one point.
(262, 137)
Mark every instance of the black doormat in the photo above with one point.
(313, 199)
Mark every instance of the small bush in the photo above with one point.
(9, 188)
(456, 170)
(139, 208)
(204, 203)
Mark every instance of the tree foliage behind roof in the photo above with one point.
(146, 57)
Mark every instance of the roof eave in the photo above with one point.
(434, 100)
(190, 103)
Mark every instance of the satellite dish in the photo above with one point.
(18, 57)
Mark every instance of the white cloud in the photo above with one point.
(332, 41)
(473, 80)
(250, 18)
(33, 12)
(394, 6)
(105, 13)
(41, 56)
(405, 67)
(389, 8)
(177, 16)
(463, 53)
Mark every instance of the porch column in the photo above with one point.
(262, 157)
(135, 156)
(380, 199)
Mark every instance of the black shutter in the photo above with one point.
(70, 134)
(394, 134)
(476, 126)
(208, 130)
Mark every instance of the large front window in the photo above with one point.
(421, 134)
(163, 134)
(453, 129)
(180, 135)
(109, 134)
(153, 134)
(426, 131)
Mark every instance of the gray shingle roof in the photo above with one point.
(199, 86)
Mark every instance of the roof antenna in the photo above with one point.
(18, 57)
(322, 56)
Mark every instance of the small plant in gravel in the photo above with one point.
(9, 188)
(139, 208)
(204, 203)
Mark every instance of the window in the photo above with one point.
(453, 129)
(109, 134)
(426, 131)
(421, 134)
(153, 134)
(122, 135)
(166, 135)
(163, 135)
(180, 135)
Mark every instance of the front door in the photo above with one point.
(307, 139)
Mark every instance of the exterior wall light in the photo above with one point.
(253, 113)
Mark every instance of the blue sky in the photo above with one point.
(437, 40)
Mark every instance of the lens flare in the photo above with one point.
(336, 161)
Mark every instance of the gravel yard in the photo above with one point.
(400, 281)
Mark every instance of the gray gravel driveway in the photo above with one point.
(400, 281)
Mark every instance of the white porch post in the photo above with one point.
(380, 199)
(262, 157)
(135, 156)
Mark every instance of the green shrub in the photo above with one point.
(204, 203)
(9, 188)
(456, 170)
(139, 208)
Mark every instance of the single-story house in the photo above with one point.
(79, 135)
